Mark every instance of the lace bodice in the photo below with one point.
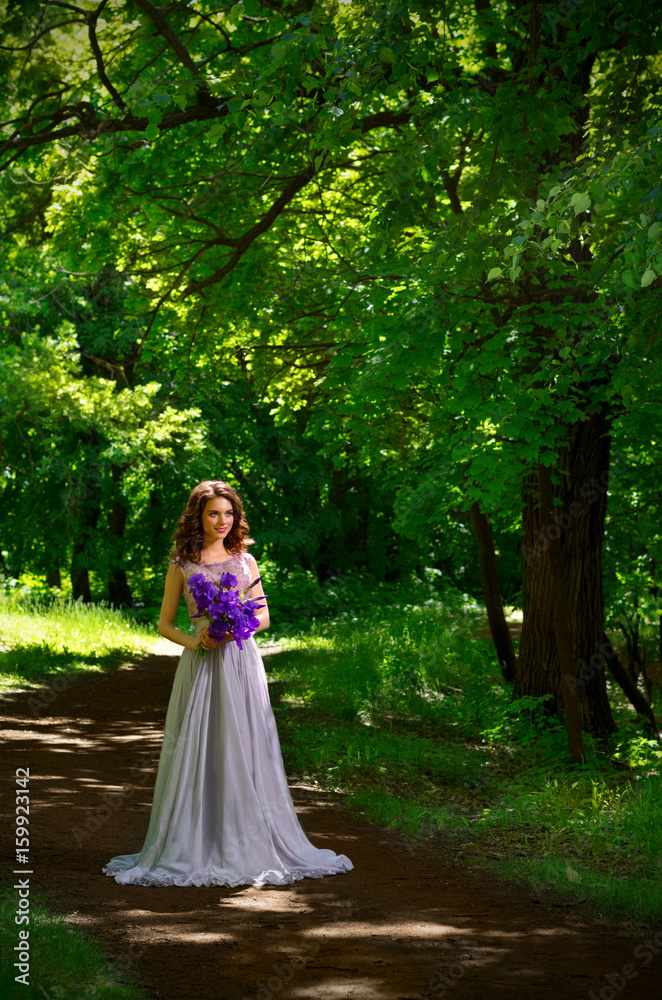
(238, 565)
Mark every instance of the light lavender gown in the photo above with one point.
(222, 812)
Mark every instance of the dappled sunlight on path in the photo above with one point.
(409, 922)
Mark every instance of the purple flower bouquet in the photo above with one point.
(225, 606)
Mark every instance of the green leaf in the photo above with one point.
(235, 104)
(217, 130)
(495, 272)
(599, 192)
(655, 230)
(580, 203)
(386, 55)
(647, 277)
(152, 131)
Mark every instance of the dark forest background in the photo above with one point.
(391, 270)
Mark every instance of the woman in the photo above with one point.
(222, 812)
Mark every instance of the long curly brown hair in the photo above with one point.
(189, 534)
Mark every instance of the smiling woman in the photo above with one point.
(213, 520)
(217, 519)
(222, 812)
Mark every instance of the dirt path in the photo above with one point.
(407, 923)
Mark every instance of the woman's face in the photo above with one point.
(217, 519)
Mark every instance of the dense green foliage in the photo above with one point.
(402, 712)
(375, 264)
(400, 706)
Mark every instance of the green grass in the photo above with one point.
(50, 641)
(40, 640)
(405, 711)
(65, 963)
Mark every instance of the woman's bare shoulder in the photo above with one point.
(175, 569)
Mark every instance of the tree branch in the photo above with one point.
(244, 242)
(169, 35)
(94, 45)
(92, 124)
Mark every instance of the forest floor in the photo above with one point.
(411, 920)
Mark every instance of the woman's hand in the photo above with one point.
(206, 640)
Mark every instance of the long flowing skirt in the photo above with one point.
(222, 812)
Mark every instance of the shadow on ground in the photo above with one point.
(409, 922)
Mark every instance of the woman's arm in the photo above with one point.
(255, 593)
(172, 592)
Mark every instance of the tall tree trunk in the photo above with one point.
(577, 532)
(80, 578)
(492, 594)
(119, 591)
(629, 687)
(53, 578)
(160, 535)
(87, 523)
(561, 619)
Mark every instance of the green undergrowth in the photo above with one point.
(65, 962)
(404, 710)
(43, 639)
(297, 600)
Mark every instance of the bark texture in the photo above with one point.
(492, 594)
(577, 533)
(561, 619)
(88, 517)
(119, 591)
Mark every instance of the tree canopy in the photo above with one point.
(393, 269)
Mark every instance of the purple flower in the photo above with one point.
(203, 591)
(224, 606)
